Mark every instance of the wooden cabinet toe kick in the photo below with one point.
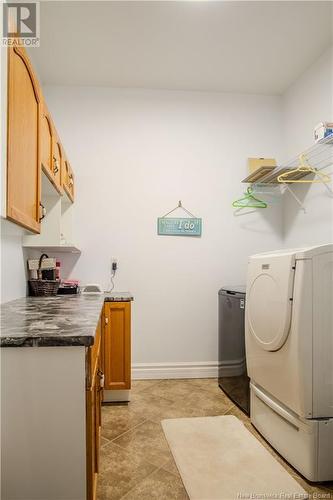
(121, 396)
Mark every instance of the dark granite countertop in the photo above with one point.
(118, 297)
(63, 320)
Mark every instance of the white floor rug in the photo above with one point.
(219, 459)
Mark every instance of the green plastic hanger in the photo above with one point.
(249, 201)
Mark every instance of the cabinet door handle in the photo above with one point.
(55, 165)
(42, 210)
(101, 379)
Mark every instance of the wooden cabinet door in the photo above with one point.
(23, 166)
(91, 404)
(71, 183)
(68, 179)
(57, 160)
(117, 345)
(46, 140)
(98, 413)
(50, 149)
(94, 377)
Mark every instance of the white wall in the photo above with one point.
(306, 103)
(12, 258)
(135, 154)
(13, 262)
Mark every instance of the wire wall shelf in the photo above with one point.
(319, 156)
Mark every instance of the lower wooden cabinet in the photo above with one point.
(51, 421)
(94, 396)
(108, 367)
(117, 345)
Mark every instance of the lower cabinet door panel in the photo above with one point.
(117, 345)
(94, 394)
(92, 451)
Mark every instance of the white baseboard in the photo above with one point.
(204, 369)
(232, 368)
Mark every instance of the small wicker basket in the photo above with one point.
(43, 288)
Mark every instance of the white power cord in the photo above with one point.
(114, 267)
(113, 273)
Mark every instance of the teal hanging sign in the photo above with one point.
(179, 226)
(172, 226)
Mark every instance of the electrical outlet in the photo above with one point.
(114, 264)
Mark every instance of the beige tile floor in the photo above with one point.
(136, 463)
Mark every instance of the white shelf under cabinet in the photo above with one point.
(54, 248)
(56, 233)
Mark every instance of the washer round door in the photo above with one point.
(269, 301)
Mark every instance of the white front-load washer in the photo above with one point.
(289, 351)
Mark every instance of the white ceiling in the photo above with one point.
(250, 47)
